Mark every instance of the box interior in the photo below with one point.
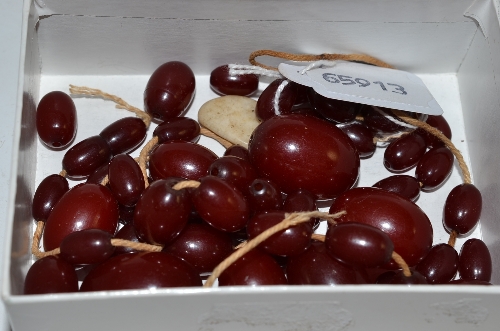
(116, 45)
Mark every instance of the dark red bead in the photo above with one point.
(98, 175)
(276, 99)
(56, 120)
(178, 128)
(161, 213)
(221, 204)
(238, 151)
(149, 270)
(378, 122)
(225, 84)
(303, 152)
(234, 170)
(264, 195)
(127, 232)
(85, 206)
(180, 159)
(406, 224)
(89, 246)
(358, 244)
(86, 157)
(415, 279)
(440, 265)
(403, 185)
(440, 123)
(361, 137)
(462, 209)
(169, 91)
(404, 153)
(255, 268)
(51, 274)
(125, 179)
(334, 110)
(124, 135)
(288, 242)
(434, 168)
(300, 201)
(47, 194)
(202, 246)
(475, 261)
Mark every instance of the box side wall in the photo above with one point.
(319, 10)
(479, 81)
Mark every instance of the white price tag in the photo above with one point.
(366, 84)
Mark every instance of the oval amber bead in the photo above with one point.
(434, 168)
(462, 209)
(225, 84)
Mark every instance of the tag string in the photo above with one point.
(312, 57)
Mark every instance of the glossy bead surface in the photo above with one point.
(98, 175)
(299, 201)
(403, 185)
(361, 137)
(276, 99)
(319, 157)
(404, 153)
(475, 261)
(254, 268)
(150, 270)
(87, 156)
(202, 246)
(220, 204)
(127, 232)
(440, 123)
(440, 265)
(178, 128)
(337, 111)
(403, 221)
(56, 120)
(124, 135)
(358, 244)
(50, 274)
(434, 168)
(161, 213)
(316, 267)
(47, 194)
(234, 170)
(180, 159)
(462, 209)
(264, 195)
(169, 91)
(238, 151)
(125, 179)
(415, 279)
(288, 242)
(85, 206)
(88, 246)
(378, 122)
(225, 84)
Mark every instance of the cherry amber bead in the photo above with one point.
(337, 111)
(316, 267)
(404, 153)
(150, 270)
(238, 151)
(440, 123)
(277, 99)
(89, 246)
(56, 120)
(434, 168)
(178, 128)
(161, 213)
(47, 194)
(85, 206)
(361, 137)
(234, 170)
(303, 152)
(406, 224)
(124, 135)
(125, 179)
(51, 274)
(264, 195)
(378, 122)
(202, 246)
(255, 268)
(301, 201)
(462, 209)
(440, 265)
(169, 91)
(475, 261)
(180, 159)
(288, 242)
(403, 185)
(220, 204)
(415, 279)
(87, 156)
(127, 232)
(225, 84)
(98, 175)
(359, 245)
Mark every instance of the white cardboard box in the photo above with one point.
(116, 45)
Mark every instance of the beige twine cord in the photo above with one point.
(207, 133)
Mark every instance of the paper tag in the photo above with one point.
(366, 84)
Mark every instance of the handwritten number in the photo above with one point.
(362, 82)
(381, 85)
(330, 78)
(346, 79)
(399, 89)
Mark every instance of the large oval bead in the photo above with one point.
(462, 209)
